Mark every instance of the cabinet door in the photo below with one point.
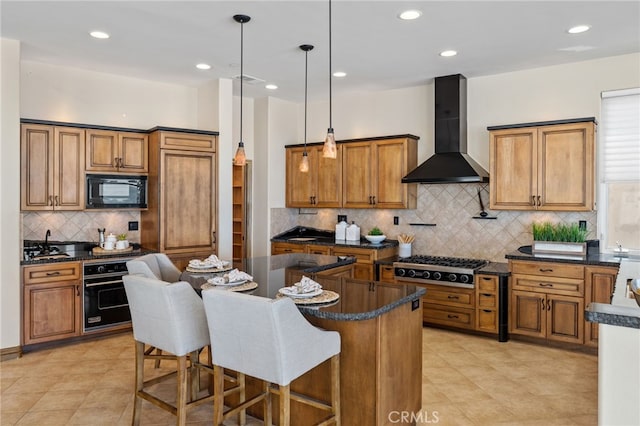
(600, 283)
(328, 178)
(358, 175)
(300, 185)
(359, 295)
(565, 318)
(36, 168)
(565, 167)
(133, 152)
(390, 160)
(318, 249)
(101, 151)
(528, 313)
(187, 201)
(68, 169)
(513, 157)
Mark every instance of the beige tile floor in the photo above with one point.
(466, 380)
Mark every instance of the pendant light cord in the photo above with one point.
(330, 71)
(306, 67)
(241, 73)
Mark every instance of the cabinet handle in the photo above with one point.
(77, 290)
(374, 199)
(213, 238)
(287, 250)
(486, 310)
(57, 200)
(50, 200)
(542, 304)
(314, 200)
(452, 316)
(546, 270)
(548, 305)
(533, 200)
(486, 294)
(52, 274)
(486, 278)
(538, 201)
(453, 297)
(370, 199)
(545, 284)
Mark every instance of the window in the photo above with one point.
(619, 154)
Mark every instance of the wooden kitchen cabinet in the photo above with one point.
(450, 306)
(321, 186)
(52, 308)
(52, 168)
(599, 287)
(364, 268)
(117, 152)
(287, 248)
(547, 167)
(373, 170)
(181, 219)
(547, 301)
(487, 303)
(386, 273)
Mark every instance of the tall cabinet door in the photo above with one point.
(328, 176)
(357, 172)
(68, 168)
(187, 201)
(391, 165)
(300, 185)
(36, 167)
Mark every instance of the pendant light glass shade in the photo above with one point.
(304, 162)
(240, 158)
(330, 150)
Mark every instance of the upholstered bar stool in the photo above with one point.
(268, 339)
(169, 317)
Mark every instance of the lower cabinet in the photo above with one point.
(451, 306)
(487, 303)
(599, 286)
(52, 307)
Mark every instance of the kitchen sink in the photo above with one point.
(303, 239)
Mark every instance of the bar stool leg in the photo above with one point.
(285, 405)
(267, 403)
(181, 402)
(335, 387)
(218, 392)
(137, 402)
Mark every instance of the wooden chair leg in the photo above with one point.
(137, 402)
(181, 402)
(267, 404)
(194, 376)
(335, 387)
(158, 352)
(242, 415)
(285, 405)
(218, 395)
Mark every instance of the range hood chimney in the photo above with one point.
(450, 163)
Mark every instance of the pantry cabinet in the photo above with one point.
(51, 168)
(367, 173)
(52, 308)
(320, 186)
(117, 152)
(373, 171)
(547, 301)
(181, 219)
(545, 167)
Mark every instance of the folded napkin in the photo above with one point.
(210, 262)
(306, 285)
(217, 281)
(236, 275)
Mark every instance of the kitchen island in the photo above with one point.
(380, 326)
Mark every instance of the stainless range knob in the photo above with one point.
(400, 272)
(452, 277)
(426, 274)
(437, 275)
(464, 278)
(412, 273)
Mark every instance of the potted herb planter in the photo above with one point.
(559, 239)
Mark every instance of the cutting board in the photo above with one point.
(99, 251)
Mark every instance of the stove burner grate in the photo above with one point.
(453, 262)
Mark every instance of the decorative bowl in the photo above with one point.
(375, 239)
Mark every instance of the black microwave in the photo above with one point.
(116, 191)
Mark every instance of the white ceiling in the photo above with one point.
(164, 40)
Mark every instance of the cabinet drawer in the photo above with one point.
(362, 255)
(285, 248)
(456, 317)
(487, 283)
(486, 300)
(66, 271)
(551, 285)
(316, 249)
(187, 141)
(449, 296)
(386, 273)
(487, 320)
(548, 269)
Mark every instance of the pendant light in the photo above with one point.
(330, 150)
(240, 159)
(304, 163)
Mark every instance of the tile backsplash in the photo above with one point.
(451, 207)
(78, 225)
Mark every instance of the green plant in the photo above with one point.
(547, 231)
(121, 237)
(375, 231)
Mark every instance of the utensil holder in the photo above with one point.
(404, 250)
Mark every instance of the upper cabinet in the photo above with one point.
(117, 152)
(546, 167)
(367, 174)
(52, 168)
(321, 185)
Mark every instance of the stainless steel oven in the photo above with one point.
(105, 300)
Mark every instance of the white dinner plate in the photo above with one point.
(288, 291)
(227, 284)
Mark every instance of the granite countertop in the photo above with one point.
(270, 272)
(306, 235)
(83, 252)
(623, 310)
(595, 259)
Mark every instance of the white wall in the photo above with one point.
(10, 318)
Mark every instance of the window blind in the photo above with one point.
(620, 135)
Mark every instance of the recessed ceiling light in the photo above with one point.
(203, 66)
(99, 34)
(409, 15)
(447, 53)
(339, 74)
(271, 87)
(578, 29)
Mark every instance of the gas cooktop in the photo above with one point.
(453, 271)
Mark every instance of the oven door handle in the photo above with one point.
(102, 283)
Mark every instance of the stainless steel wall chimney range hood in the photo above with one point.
(450, 163)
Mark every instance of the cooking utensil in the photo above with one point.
(483, 213)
